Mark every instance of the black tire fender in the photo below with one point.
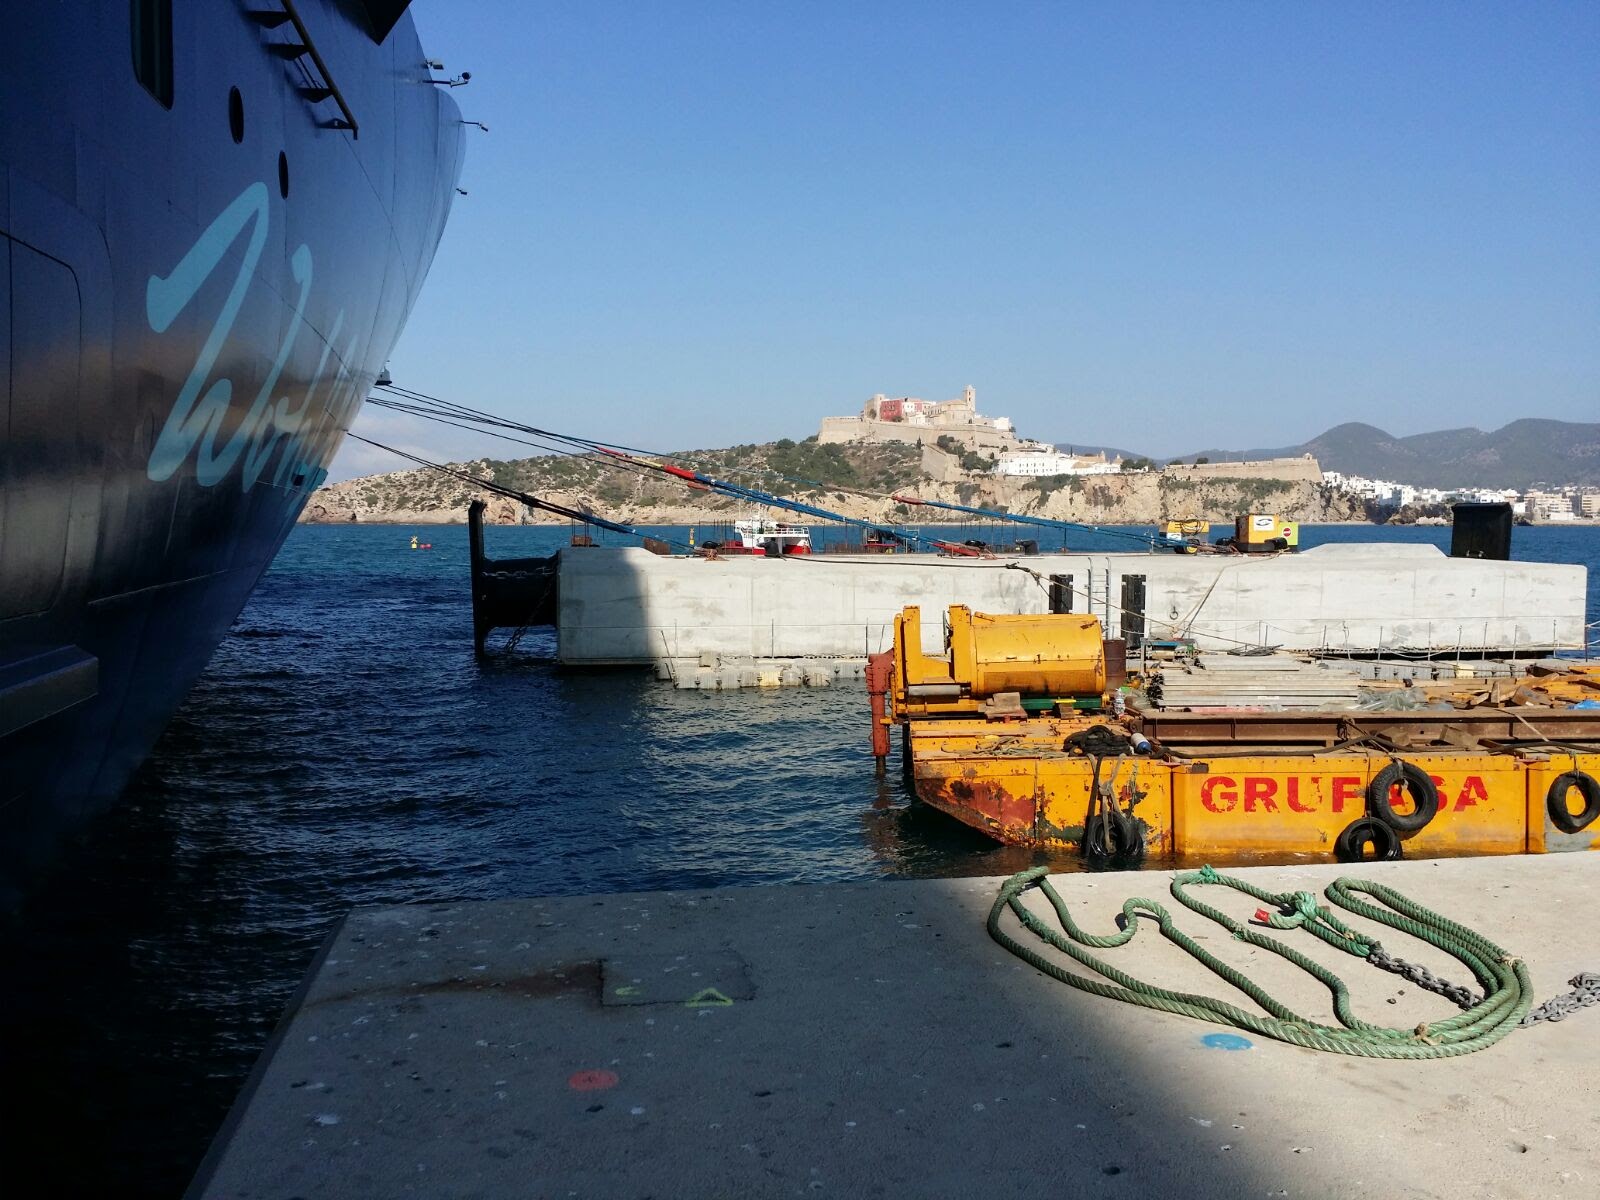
(1351, 845)
(1416, 781)
(1120, 841)
(1129, 838)
(1555, 801)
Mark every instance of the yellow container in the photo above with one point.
(1258, 530)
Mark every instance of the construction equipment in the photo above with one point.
(1185, 535)
(1048, 659)
(1260, 533)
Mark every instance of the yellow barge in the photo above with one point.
(1024, 729)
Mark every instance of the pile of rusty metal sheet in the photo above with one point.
(1268, 682)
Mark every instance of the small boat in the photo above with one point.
(771, 538)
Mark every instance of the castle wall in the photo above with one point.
(1304, 469)
(858, 429)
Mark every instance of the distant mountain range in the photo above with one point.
(1518, 455)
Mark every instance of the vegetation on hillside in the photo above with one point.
(971, 461)
(788, 467)
(1049, 485)
(1255, 491)
(810, 468)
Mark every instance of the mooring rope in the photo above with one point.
(1508, 992)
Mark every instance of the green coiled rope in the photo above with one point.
(1508, 992)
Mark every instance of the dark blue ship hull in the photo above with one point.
(214, 230)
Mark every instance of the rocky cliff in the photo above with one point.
(855, 481)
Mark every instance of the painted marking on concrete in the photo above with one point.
(675, 978)
(1225, 1041)
(592, 1081)
(708, 998)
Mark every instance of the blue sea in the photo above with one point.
(345, 748)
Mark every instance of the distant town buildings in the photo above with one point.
(1538, 504)
(1039, 461)
(945, 426)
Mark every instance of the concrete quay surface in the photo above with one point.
(871, 1040)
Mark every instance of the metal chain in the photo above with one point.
(1461, 997)
(1585, 994)
(516, 636)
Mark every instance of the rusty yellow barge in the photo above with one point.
(1031, 729)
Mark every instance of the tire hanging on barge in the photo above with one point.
(1555, 801)
(1411, 778)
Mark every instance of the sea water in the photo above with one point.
(345, 748)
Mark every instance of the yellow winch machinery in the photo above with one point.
(1186, 535)
(1059, 657)
(1012, 730)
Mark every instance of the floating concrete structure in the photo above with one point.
(628, 606)
(871, 1039)
(717, 673)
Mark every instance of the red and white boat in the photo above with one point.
(771, 538)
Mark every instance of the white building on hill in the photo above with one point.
(1047, 461)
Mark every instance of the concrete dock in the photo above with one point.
(871, 1040)
(628, 606)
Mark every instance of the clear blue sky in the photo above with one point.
(1161, 226)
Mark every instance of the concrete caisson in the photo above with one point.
(628, 606)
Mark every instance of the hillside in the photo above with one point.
(826, 475)
(801, 469)
(1518, 455)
